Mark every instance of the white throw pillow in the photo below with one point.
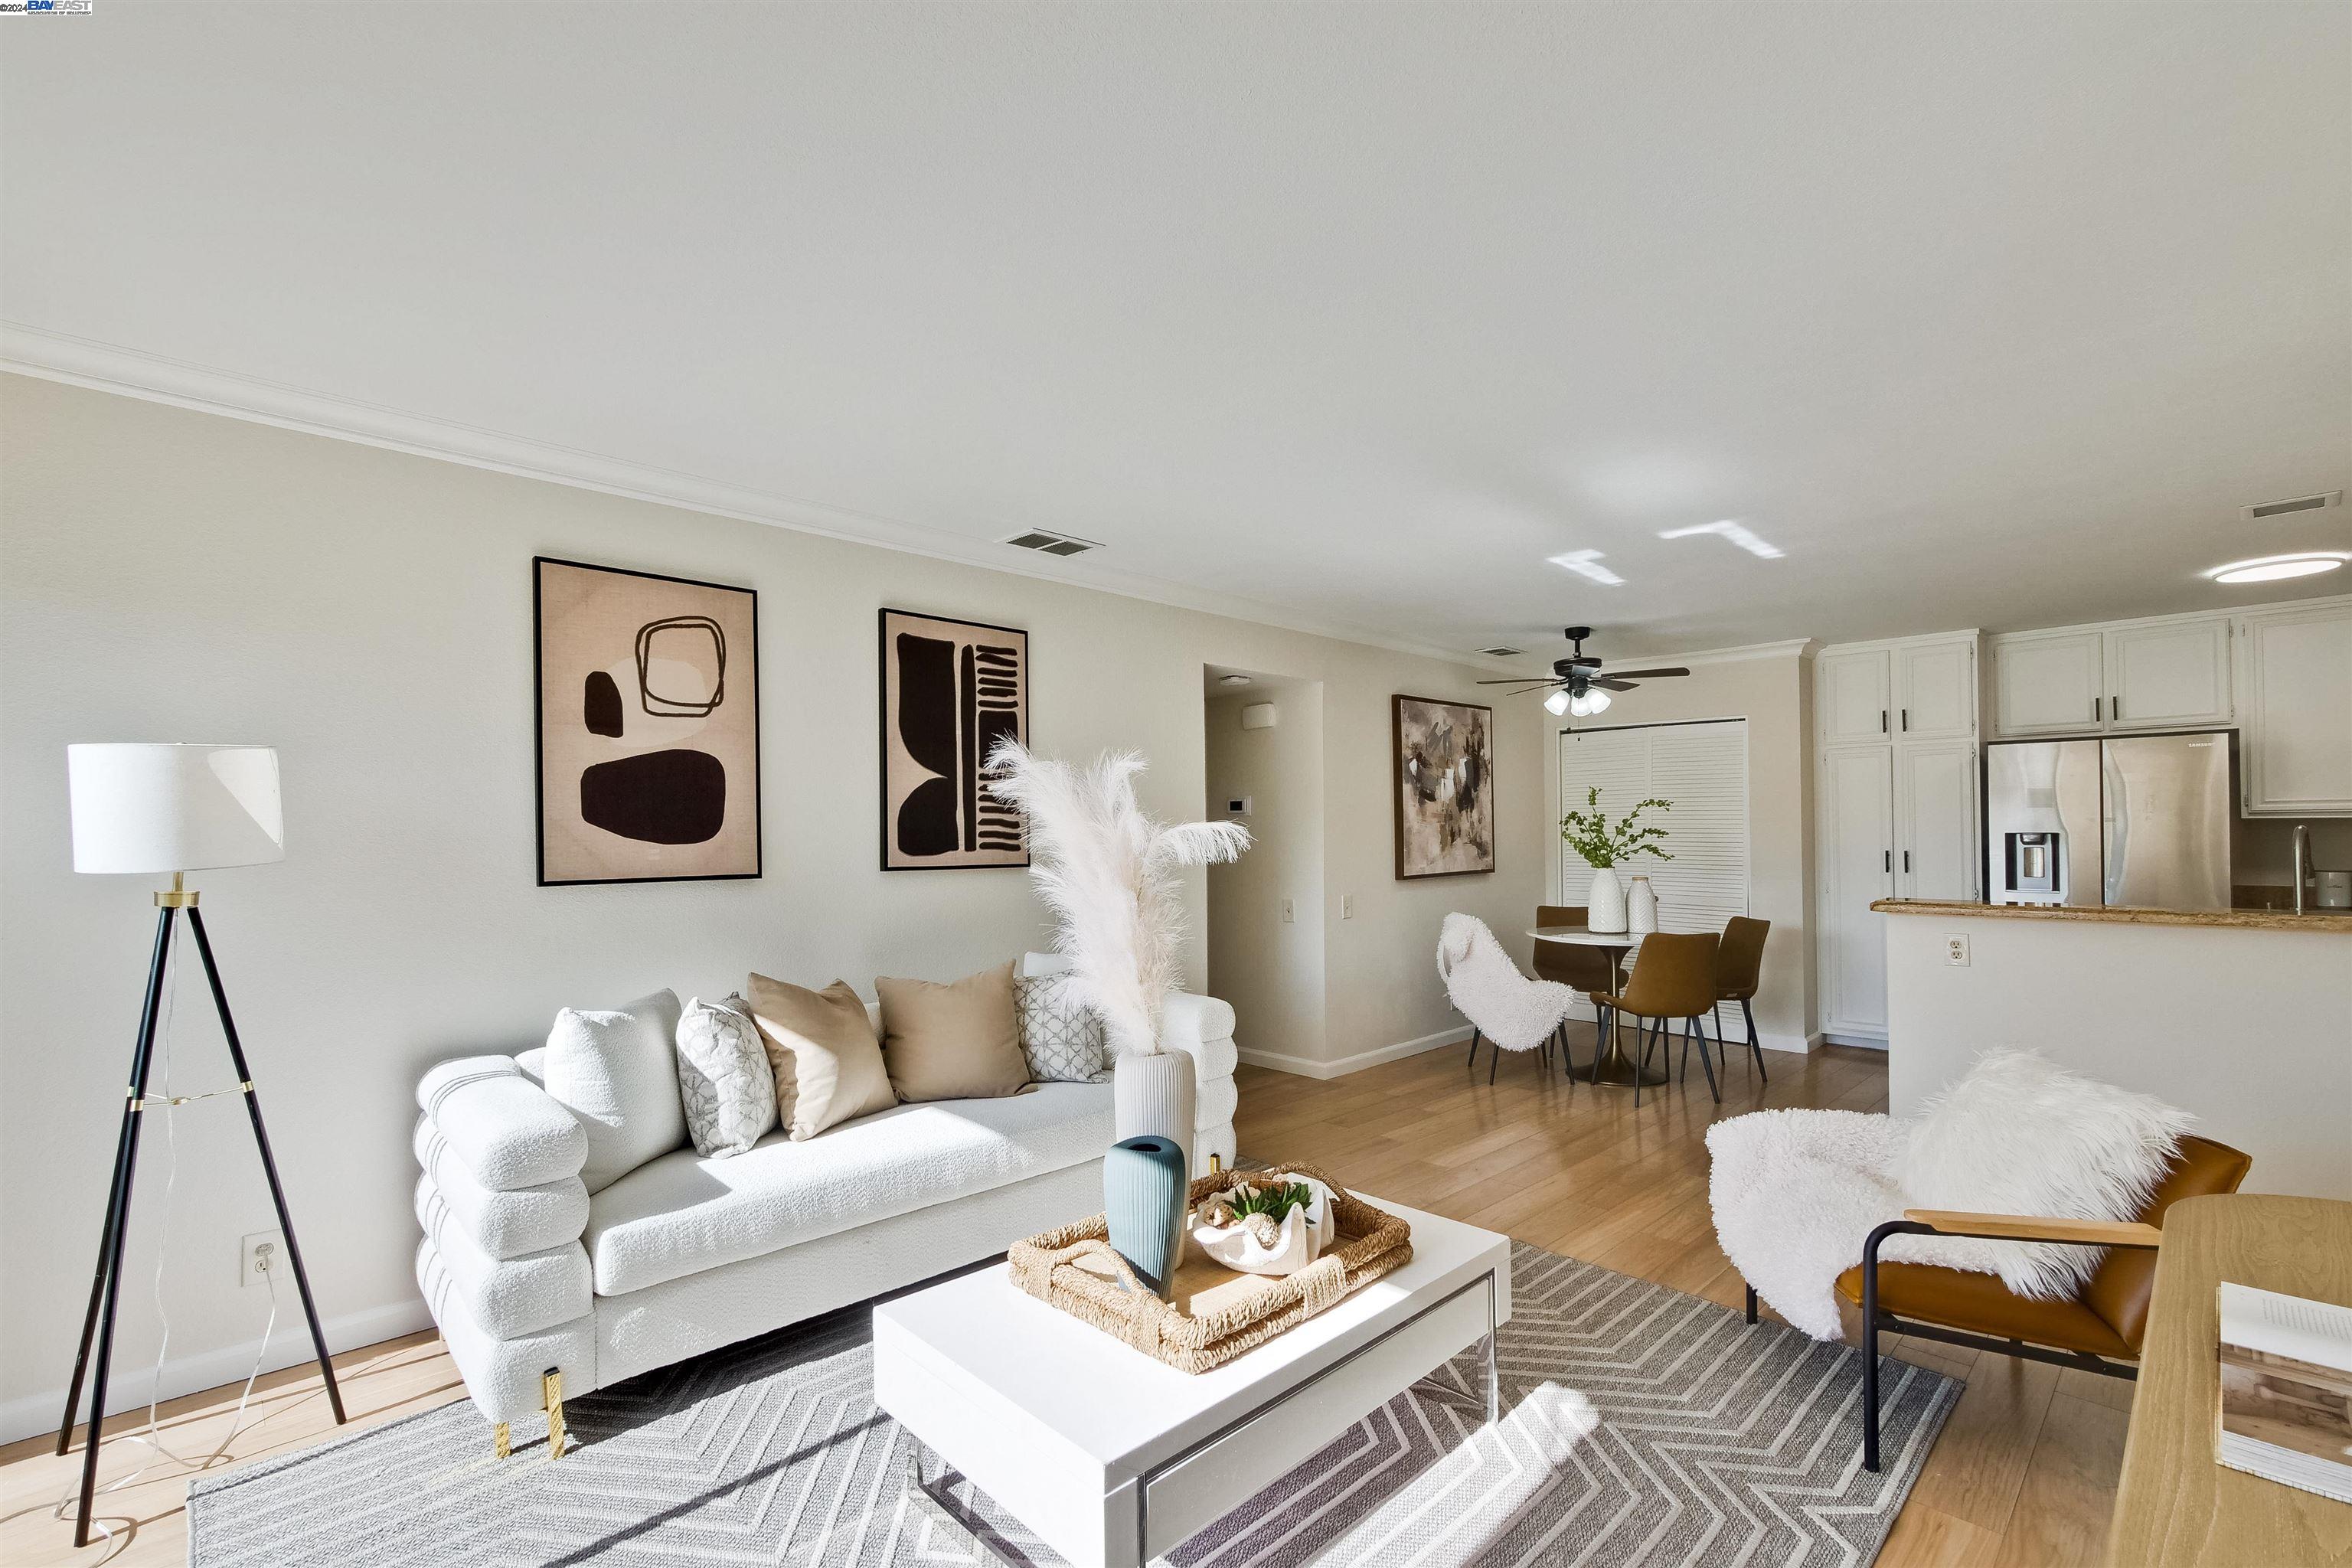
(617, 1072)
(1061, 1036)
(2020, 1135)
(723, 1077)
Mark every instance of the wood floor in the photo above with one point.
(2025, 1473)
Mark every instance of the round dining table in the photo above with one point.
(1614, 1066)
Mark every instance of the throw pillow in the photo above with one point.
(616, 1071)
(1061, 1036)
(822, 1049)
(723, 1077)
(2020, 1135)
(953, 1042)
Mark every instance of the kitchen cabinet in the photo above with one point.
(1850, 696)
(1935, 821)
(2294, 749)
(1936, 690)
(2048, 683)
(2169, 675)
(1856, 864)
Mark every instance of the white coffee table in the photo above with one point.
(1111, 1457)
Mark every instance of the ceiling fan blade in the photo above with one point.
(1508, 680)
(1644, 674)
(1610, 682)
(1539, 686)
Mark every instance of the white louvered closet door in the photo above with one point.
(1702, 769)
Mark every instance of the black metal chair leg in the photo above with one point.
(1751, 1303)
(1494, 1059)
(1474, 1047)
(1755, 1046)
(1870, 1333)
(1695, 1027)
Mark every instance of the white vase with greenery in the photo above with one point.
(1604, 843)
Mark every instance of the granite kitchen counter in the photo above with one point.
(2243, 920)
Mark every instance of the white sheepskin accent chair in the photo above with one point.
(1509, 1010)
(1796, 1193)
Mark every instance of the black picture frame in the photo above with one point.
(1396, 786)
(998, 861)
(539, 564)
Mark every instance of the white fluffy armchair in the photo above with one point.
(1509, 1010)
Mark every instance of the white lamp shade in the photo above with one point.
(148, 808)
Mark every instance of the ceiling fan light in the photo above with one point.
(1596, 701)
(1558, 703)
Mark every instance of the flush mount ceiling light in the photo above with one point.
(2271, 568)
(1737, 532)
(1587, 563)
(1233, 680)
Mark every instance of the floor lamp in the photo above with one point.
(144, 810)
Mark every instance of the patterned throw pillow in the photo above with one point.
(1061, 1036)
(723, 1077)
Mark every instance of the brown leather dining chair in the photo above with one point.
(1675, 979)
(1738, 970)
(1574, 964)
(2099, 1329)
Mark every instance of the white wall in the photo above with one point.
(1773, 691)
(173, 575)
(2252, 1030)
(1271, 970)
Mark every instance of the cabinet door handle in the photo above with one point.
(1882, 720)
(1886, 860)
(2116, 708)
(2094, 708)
(1906, 862)
(1907, 719)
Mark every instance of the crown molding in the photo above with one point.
(131, 373)
(1788, 648)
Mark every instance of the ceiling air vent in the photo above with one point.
(1498, 651)
(1045, 544)
(2285, 508)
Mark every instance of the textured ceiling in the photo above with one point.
(1984, 315)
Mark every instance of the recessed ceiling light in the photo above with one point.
(1587, 563)
(1233, 680)
(2271, 568)
(1739, 533)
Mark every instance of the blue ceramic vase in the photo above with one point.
(1144, 1189)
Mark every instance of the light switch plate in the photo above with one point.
(1286, 911)
(1955, 951)
(1346, 906)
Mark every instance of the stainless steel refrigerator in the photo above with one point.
(2142, 820)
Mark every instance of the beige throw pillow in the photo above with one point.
(827, 1063)
(953, 1042)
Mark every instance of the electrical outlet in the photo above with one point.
(1286, 911)
(1346, 906)
(259, 1255)
(1955, 951)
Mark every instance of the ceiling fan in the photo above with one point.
(1577, 685)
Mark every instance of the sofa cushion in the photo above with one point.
(824, 1052)
(616, 1071)
(723, 1077)
(683, 1213)
(958, 1041)
(507, 1129)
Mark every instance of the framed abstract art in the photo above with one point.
(648, 726)
(1445, 787)
(951, 690)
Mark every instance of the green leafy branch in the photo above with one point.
(1602, 842)
(1272, 1201)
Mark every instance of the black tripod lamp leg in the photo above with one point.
(126, 1144)
(268, 1163)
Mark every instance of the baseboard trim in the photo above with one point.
(1867, 1042)
(31, 1413)
(1308, 1066)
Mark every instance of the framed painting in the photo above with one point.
(1445, 787)
(951, 690)
(648, 726)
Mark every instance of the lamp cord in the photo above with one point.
(153, 1436)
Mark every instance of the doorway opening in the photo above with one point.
(1262, 743)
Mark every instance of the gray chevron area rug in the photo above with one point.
(1641, 1426)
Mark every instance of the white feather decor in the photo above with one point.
(1108, 872)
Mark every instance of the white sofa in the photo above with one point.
(526, 1272)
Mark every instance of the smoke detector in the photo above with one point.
(1045, 543)
(2288, 507)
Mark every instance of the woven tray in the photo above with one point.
(1217, 1313)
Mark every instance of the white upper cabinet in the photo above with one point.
(2169, 675)
(1936, 690)
(2295, 753)
(1850, 696)
(2048, 683)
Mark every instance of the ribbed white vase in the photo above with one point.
(1152, 1096)
(1640, 907)
(1604, 907)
